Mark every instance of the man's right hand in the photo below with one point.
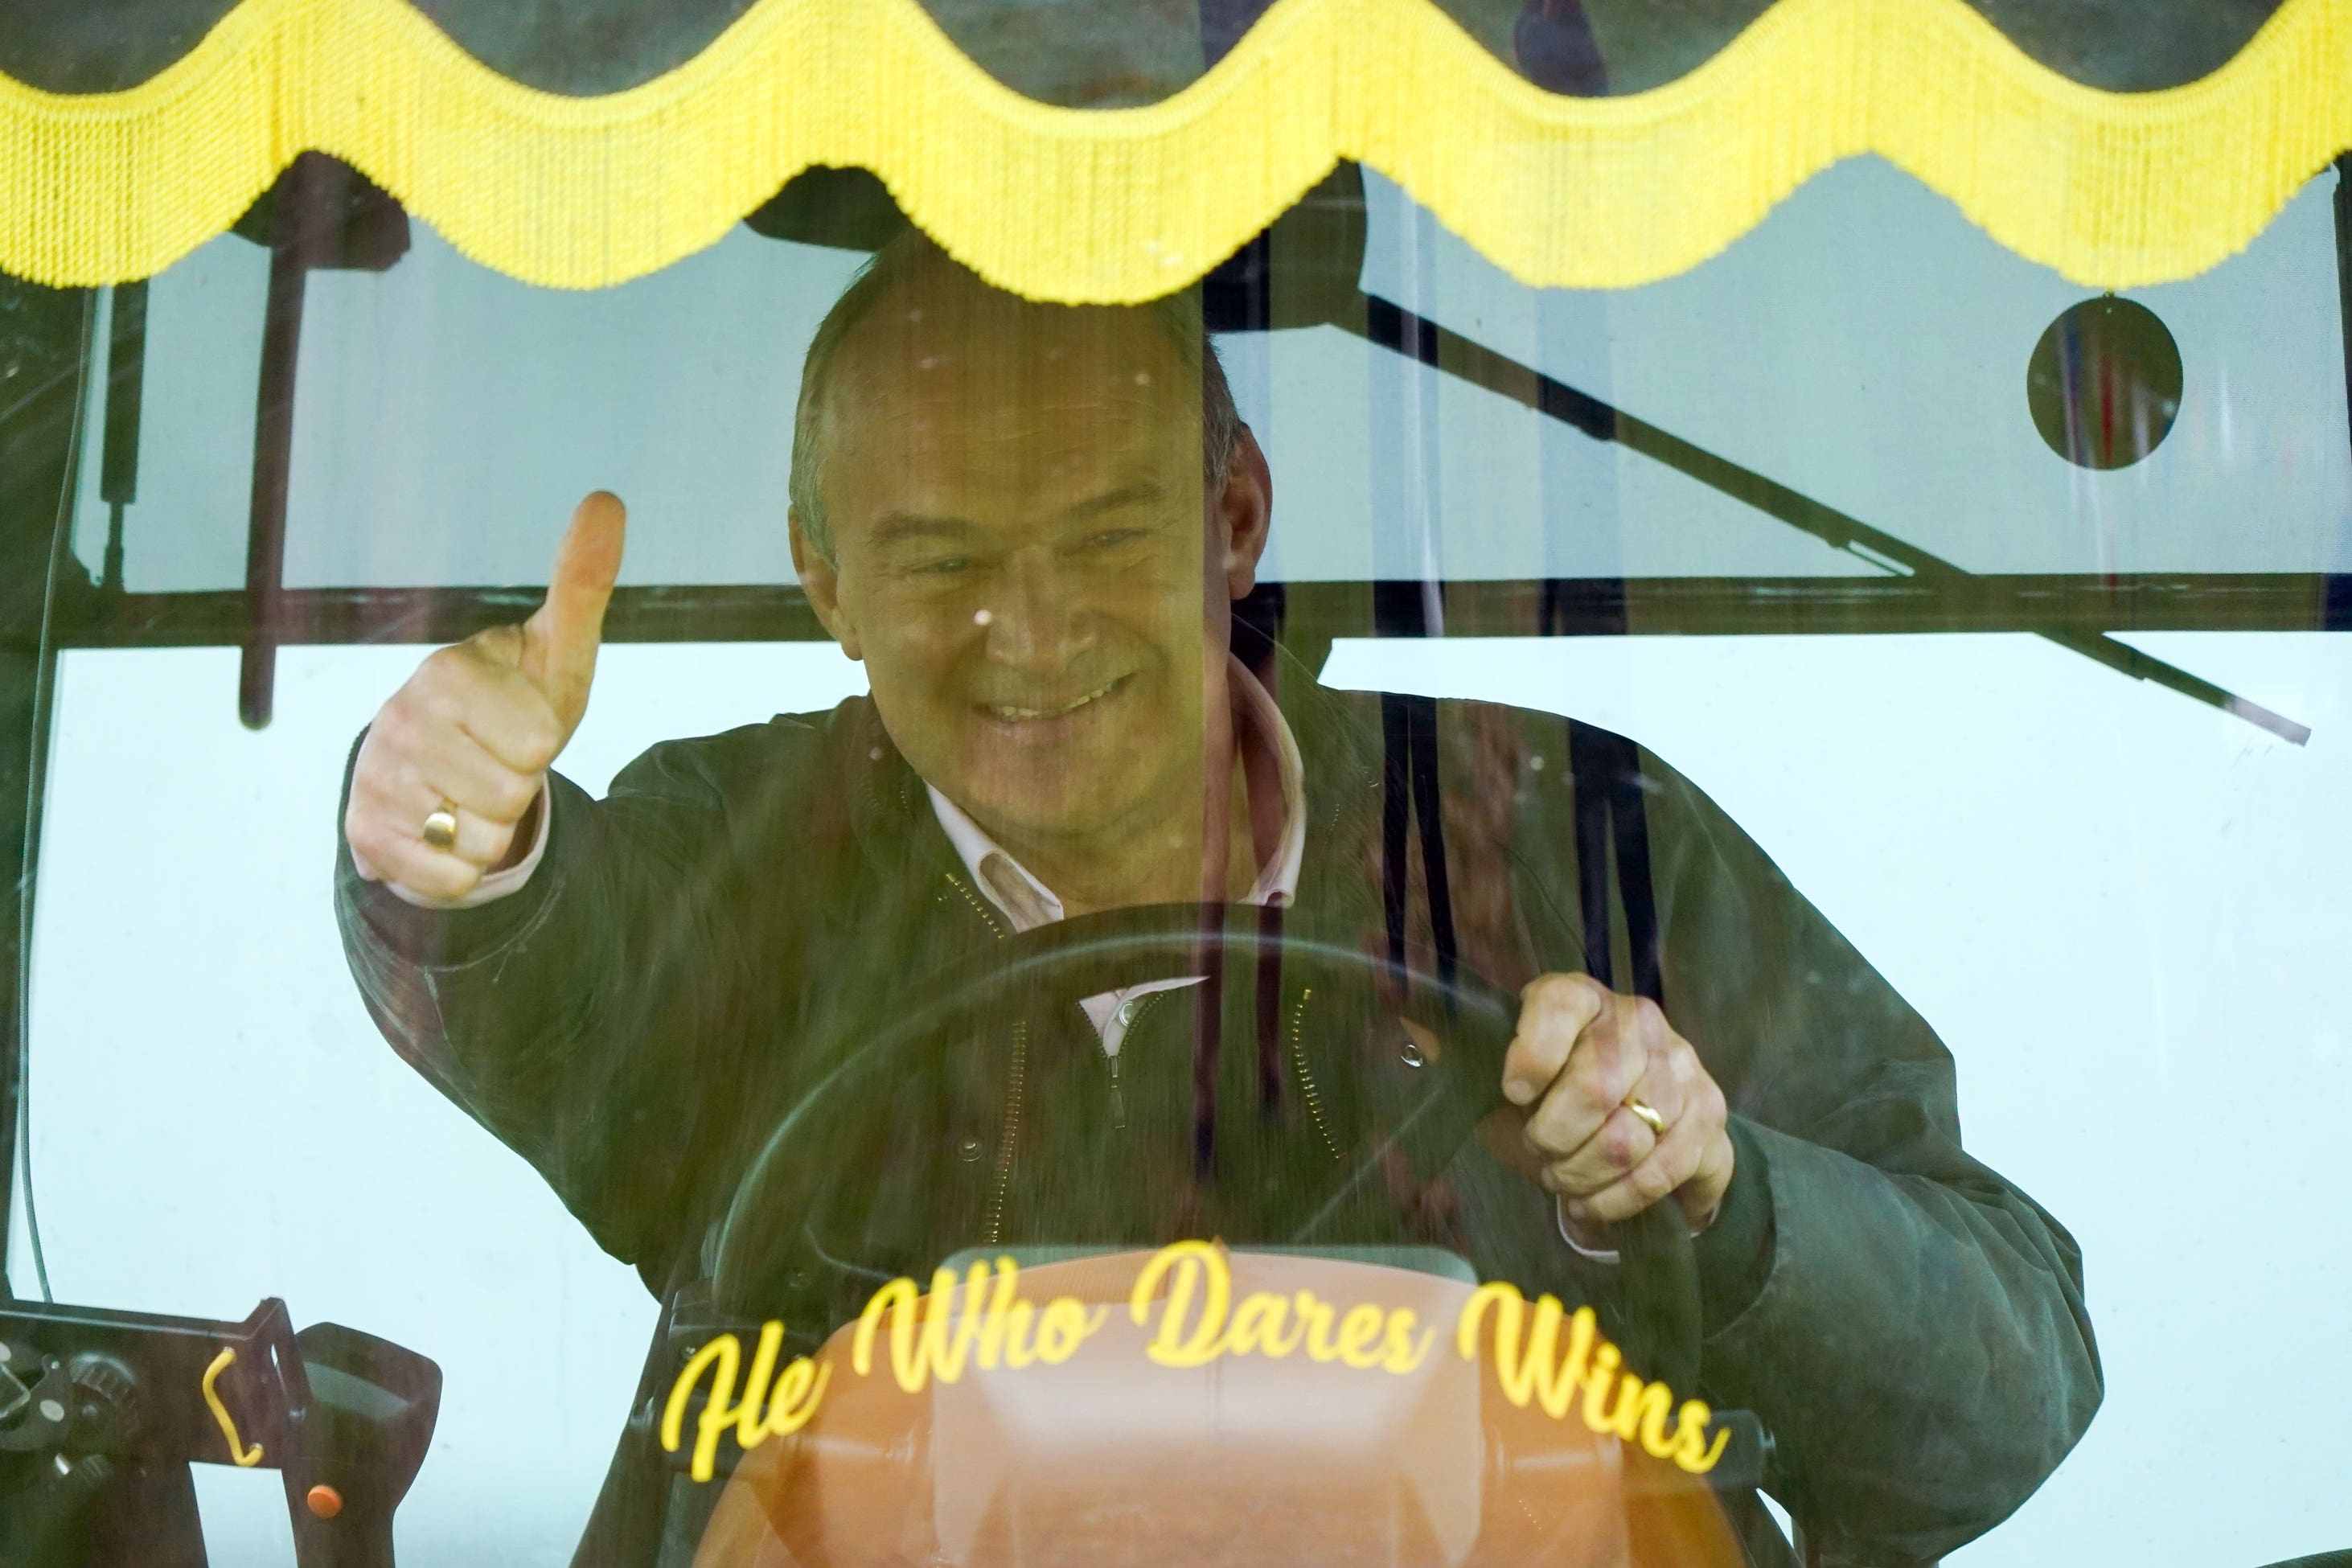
(477, 725)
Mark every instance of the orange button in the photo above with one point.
(325, 1502)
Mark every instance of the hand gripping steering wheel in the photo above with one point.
(881, 1107)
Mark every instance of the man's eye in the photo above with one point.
(946, 566)
(1113, 538)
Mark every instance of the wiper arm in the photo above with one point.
(1390, 326)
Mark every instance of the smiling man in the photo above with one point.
(1025, 572)
(1031, 523)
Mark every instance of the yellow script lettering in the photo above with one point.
(1597, 1385)
(1018, 1351)
(1258, 1325)
(941, 1344)
(1359, 1334)
(1315, 1316)
(1064, 1326)
(1690, 1450)
(1185, 1266)
(1643, 1409)
(1531, 1372)
(1264, 1323)
(993, 1351)
(722, 1357)
(794, 1400)
(1402, 1354)
(797, 1394)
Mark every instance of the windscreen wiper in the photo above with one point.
(1393, 327)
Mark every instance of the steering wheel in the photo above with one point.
(838, 1144)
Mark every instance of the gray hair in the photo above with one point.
(1178, 315)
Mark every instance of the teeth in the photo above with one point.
(1013, 714)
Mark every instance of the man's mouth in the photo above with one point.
(1015, 714)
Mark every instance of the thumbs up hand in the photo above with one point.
(473, 732)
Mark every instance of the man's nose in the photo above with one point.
(1037, 620)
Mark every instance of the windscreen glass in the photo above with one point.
(1362, 913)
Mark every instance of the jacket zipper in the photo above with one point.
(1134, 1019)
(1307, 1080)
(994, 1225)
(1297, 1058)
(1012, 1133)
(978, 908)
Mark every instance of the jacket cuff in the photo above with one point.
(439, 938)
(449, 938)
(1735, 1254)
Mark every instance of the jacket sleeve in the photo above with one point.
(576, 1017)
(1917, 1343)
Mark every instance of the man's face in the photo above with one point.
(1023, 557)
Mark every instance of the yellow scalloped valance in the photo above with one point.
(2113, 189)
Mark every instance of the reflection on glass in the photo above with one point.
(1103, 1083)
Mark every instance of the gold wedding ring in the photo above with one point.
(1648, 1116)
(440, 829)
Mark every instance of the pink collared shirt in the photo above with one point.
(1028, 903)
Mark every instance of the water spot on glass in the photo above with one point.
(969, 1150)
(1412, 1055)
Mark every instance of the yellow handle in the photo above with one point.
(245, 1457)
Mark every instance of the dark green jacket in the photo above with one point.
(1909, 1326)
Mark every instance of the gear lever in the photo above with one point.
(359, 1445)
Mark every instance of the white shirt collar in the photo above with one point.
(1028, 903)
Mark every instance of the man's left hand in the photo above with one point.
(1581, 1054)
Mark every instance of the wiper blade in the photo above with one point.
(1390, 326)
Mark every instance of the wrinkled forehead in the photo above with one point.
(942, 367)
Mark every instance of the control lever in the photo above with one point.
(103, 1412)
(358, 1445)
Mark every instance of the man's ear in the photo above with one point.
(821, 581)
(1244, 511)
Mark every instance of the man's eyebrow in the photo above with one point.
(1141, 492)
(898, 526)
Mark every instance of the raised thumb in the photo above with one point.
(560, 637)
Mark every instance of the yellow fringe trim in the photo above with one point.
(2112, 190)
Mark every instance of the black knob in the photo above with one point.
(106, 1403)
